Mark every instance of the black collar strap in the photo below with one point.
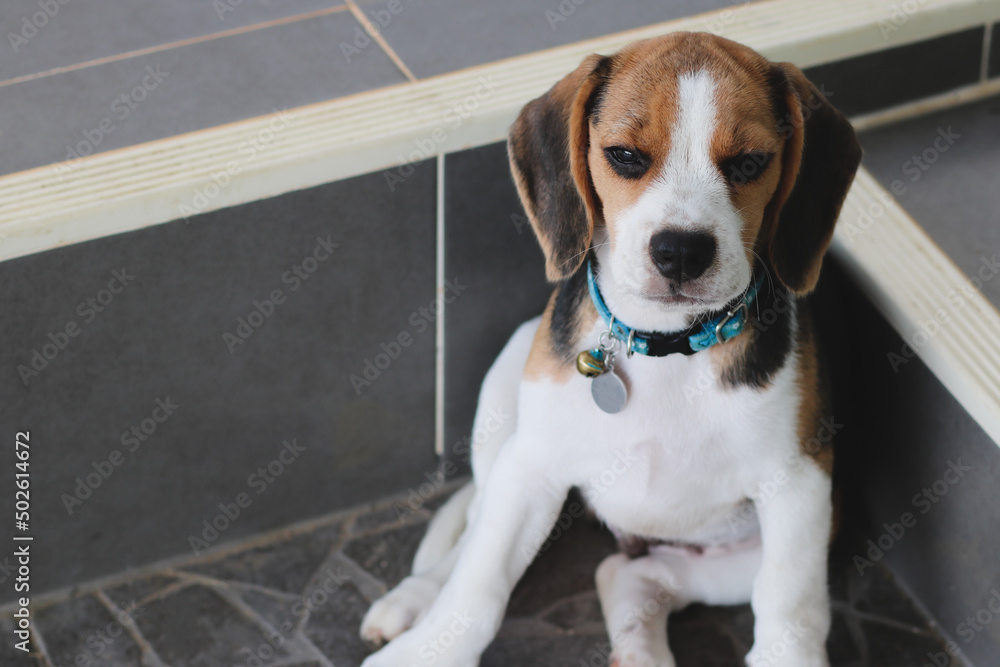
(718, 329)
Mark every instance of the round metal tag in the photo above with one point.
(609, 392)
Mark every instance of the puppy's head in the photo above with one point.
(682, 159)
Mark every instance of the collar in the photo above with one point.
(699, 336)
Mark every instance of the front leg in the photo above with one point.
(790, 598)
(520, 503)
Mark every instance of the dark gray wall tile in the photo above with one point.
(473, 33)
(58, 34)
(491, 250)
(198, 86)
(886, 78)
(162, 337)
(917, 474)
(943, 169)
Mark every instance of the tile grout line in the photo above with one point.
(439, 334)
(984, 64)
(39, 642)
(169, 46)
(927, 105)
(149, 655)
(251, 615)
(371, 587)
(376, 35)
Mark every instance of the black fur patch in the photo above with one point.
(592, 108)
(771, 323)
(570, 296)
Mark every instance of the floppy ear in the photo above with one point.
(820, 157)
(547, 147)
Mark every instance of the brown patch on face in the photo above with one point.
(544, 361)
(639, 106)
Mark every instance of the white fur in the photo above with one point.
(677, 463)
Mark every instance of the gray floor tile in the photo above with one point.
(334, 623)
(135, 591)
(388, 555)
(553, 617)
(944, 169)
(285, 614)
(58, 117)
(283, 566)
(582, 610)
(75, 32)
(480, 32)
(197, 627)
(82, 631)
(698, 637)
(566, 565)
(392, 517)
(546, 652)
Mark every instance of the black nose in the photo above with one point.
(682, 256)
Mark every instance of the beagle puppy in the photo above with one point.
(684, 191)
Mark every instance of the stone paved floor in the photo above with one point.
(296, 599)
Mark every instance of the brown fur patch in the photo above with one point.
(814, 406)
(544, 362)
(638, 107)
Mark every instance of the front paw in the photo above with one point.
(442, 644)
(398, 610)
(781, 653)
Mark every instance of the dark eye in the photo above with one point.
(627, 162)
(745, 168)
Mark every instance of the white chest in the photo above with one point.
(683, 455)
